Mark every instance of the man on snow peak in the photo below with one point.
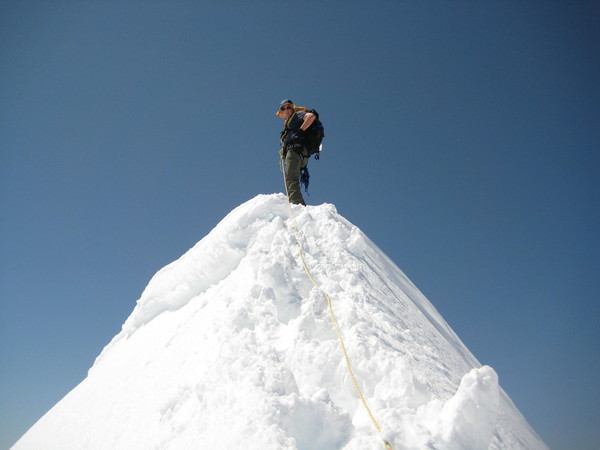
(293, 151)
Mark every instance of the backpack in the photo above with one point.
(314, 135)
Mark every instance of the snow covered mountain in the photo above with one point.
(232, 346)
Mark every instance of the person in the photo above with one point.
(293, 151)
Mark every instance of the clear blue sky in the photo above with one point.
(461, 137)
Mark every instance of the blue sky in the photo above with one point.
(461, 137)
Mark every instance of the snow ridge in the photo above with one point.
(231, 346)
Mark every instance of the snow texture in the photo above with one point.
(231, 346)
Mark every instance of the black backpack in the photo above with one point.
(314, 135)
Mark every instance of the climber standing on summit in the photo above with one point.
(294, 148)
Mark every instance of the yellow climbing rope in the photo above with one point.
(330, 307)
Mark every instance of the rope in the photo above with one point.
(331, 314)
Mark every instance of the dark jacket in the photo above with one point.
(292, 126)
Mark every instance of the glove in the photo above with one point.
(295, 138)
(298, 135)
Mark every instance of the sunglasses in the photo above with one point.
(285, 108)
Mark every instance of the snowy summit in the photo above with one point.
(232, 346)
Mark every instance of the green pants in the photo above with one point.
(294, 163)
